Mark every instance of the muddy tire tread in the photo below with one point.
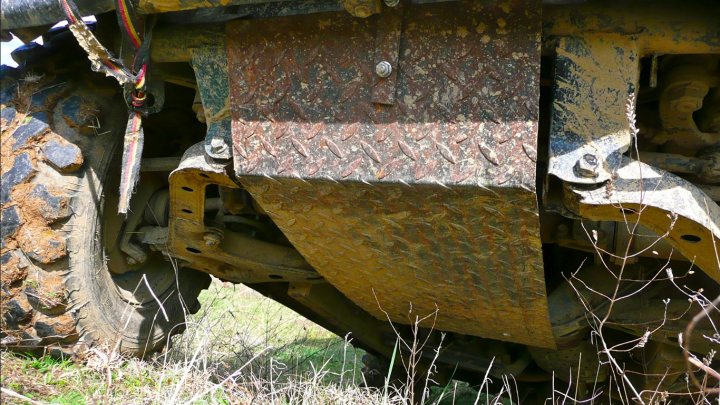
(59, 134)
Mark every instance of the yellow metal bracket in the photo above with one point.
(666, 204)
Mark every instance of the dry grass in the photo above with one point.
(241, 348)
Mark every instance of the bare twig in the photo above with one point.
(21, 397)
(690, 359)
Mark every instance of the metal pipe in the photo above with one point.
(34, 13)
(164, 6)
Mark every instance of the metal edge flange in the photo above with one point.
(666, 204)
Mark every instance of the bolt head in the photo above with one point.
(218, 145)
(213, 237)
(362, 11)
(590, 159)
(587, 166)
(383, 69)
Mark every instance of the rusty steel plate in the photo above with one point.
(418, 189)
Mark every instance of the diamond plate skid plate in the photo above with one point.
(428, 200)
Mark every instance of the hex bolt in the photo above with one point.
(213, 237)
(392, 3)
(587, 166)
(383, 69)
(362, 11)
(218, 145)
(590, 159)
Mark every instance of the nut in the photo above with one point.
(218, 145)
(383, 69)
(362, 11)
(587, 166)
(213, 236)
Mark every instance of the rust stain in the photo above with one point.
(385, 202)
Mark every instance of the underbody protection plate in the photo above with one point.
(398, 155)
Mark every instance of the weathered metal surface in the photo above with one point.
(220, 15)
(164, 6)
(358, 8)
(176, 43)
(595, 80)
(16, 14)
(664, 203)
(675, 27)
(210, 65)
(426, 202)
(387, 50)
(668, 27)
(228, 255)
(473, 254)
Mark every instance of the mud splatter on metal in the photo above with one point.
(428, 201)
(595, 79)
(210, 65)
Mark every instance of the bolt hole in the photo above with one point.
(691, 238)
(205, 176)
(275, 277)
(193, 250)
(187, 189)
(313, 278)
(627, 211)
(187, 211)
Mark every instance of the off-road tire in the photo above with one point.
(61, 131)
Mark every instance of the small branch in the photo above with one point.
(699, 364)
(21, 397)
(689, 359)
